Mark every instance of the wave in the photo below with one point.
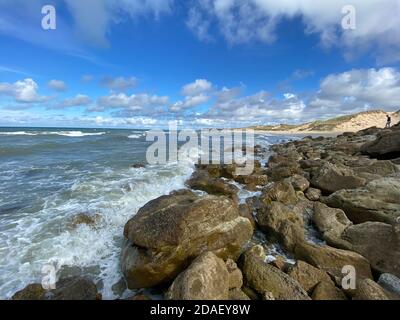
(73, 134)
(18, 133)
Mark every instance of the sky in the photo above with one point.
(202, 63)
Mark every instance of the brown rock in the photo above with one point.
(307, 275)
(265, 278)
(167, 233)
(206, 279)
(369, 290)
(327, 291)
(333, 260)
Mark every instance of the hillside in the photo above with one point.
(348, 123)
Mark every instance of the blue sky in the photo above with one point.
(131, 63)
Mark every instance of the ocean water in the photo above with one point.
(49, 176)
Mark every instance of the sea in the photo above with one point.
(49, 176)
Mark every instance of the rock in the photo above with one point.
(267, 296)
(386, 146)
(251, 293)
(140, 297)
(378, 201)
(307, 275)
(381, 168)
(313, 194)
(73, 288)
(265, 278)
(281, 191)
(246, 211)
(235, 275)
(367, 289)
(283, 223)
(333, 260)
(331, 178)
(299, 183)
(327, 291)
(331, 223)
(284, 170)
(138, 165)
(167, 233)
(200, 180)
(32, 291)
(237, 295)
(279, 263)
(378, 243)
(254, 179)
(390, 283)
(84, 218)
(206, 279)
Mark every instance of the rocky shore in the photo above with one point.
(317, 207)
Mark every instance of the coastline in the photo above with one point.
(288, 238)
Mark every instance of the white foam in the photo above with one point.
(30, 240)
(18, 133)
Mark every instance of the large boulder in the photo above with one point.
(367, 289)
(307, 275)
(281, 191)
(331, 178)
(299, 182)
(201, 180)
(283, 223)
(327, 291)
(333, 260)
(331, 223)
(72, 288)
(207, 278)
(169, 232)
(386, 146)
(379, 201)
(265, 278)
(378, 242)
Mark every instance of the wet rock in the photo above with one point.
(333, 260)
(167, 233)
(378, 201)
(32, 291)
(331, 223)
(84, 218)
(282, 223)
(206, 279)
(73, 288)
(246, 211)
(307, 275)
(327, 291)
(202, 181)
(267, 279)
(331, 178)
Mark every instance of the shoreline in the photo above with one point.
(298, 203)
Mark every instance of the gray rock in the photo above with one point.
(390, 283)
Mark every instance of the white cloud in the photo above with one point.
(358, 89)
(241, 21)
(196, 93)
(197, 87)
(134, 102)
(23, 91)
(57, 85)
(119, 84)
(80, 100)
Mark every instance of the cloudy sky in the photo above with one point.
(142, 63)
